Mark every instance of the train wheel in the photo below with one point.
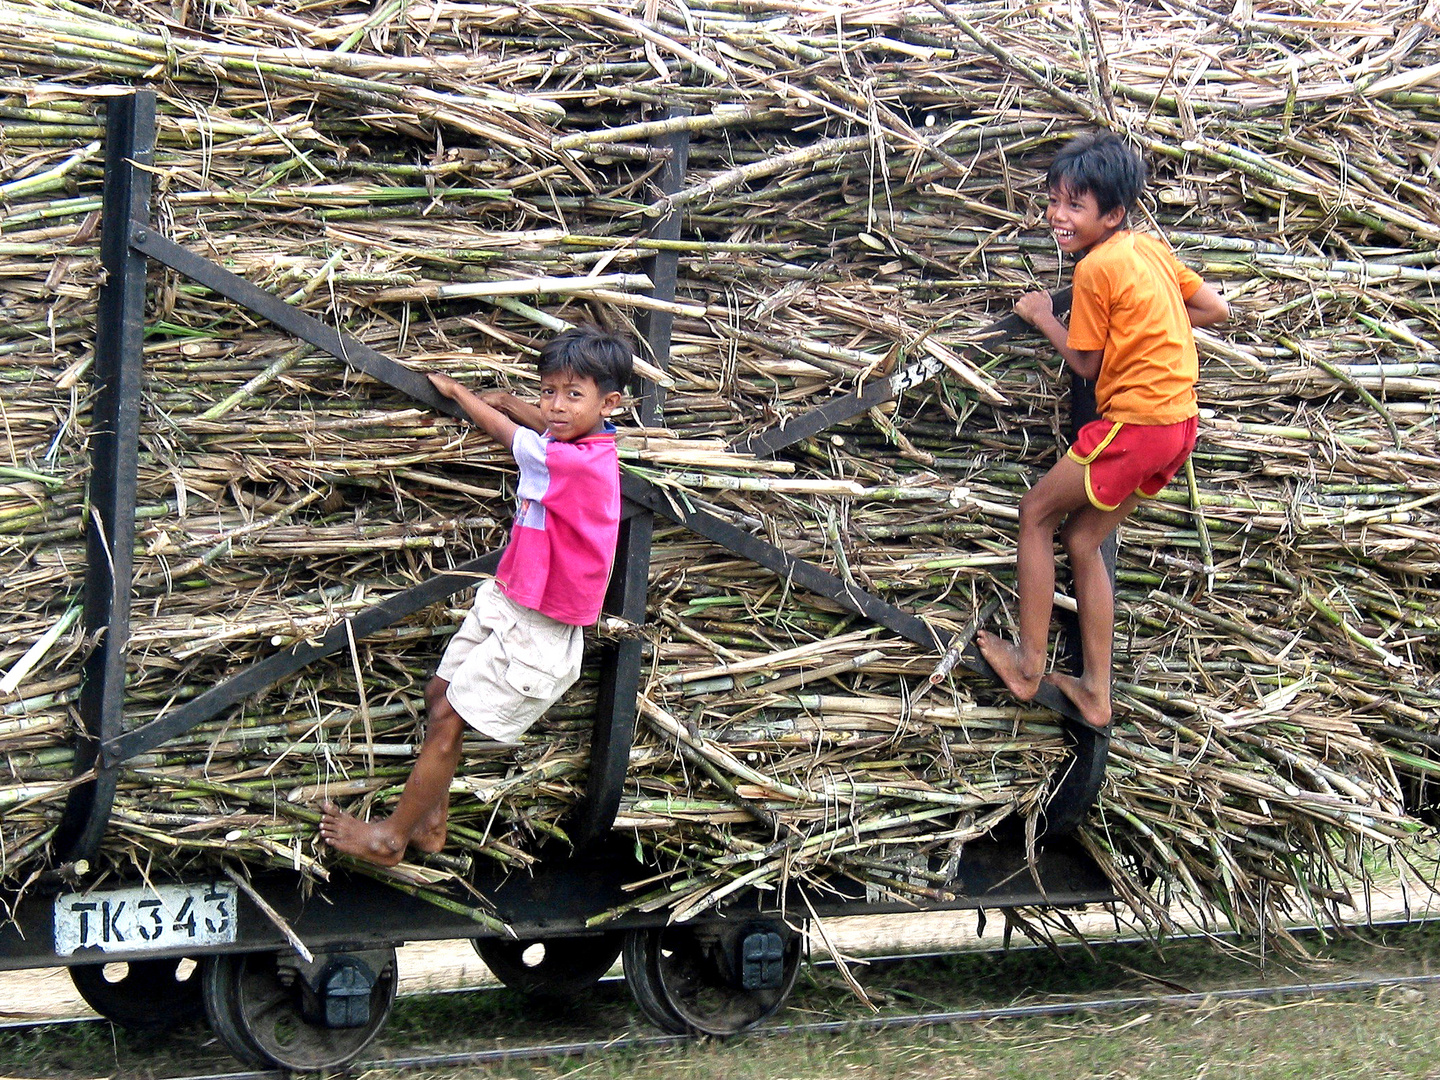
(220, 976)
(143, 995)
(274, 1010)
(550, 966)
(713, 980)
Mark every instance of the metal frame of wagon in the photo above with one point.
(128, 240)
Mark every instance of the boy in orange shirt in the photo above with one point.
(1130, 330)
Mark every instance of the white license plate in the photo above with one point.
(145, 919)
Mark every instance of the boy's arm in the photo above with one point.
(494, 422)
(1037, 309)
(1206, 307)
(523, 412)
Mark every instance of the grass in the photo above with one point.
(1321, 1039)
(1386, 1033)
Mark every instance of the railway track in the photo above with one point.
(869, 959)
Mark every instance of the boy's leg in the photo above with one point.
(1059, 493)
(1084, 533)
(429, 835)
(422, 804)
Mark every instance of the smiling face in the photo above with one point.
(1076, 221)
(572, 405)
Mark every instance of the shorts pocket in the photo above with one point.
(531, 681)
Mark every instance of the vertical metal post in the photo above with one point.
(1082, 411)
(664, 269)
(113, 445)
(1074, 791)
(620, 664)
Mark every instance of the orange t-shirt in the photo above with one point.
(1129, 300)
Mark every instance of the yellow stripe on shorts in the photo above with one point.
(1088, 458)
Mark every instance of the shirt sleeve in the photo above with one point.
(1188, 280)
(528, 448)
(1089, 309)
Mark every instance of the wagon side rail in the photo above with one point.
(114, 449)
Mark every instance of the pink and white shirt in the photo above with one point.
(562, 547)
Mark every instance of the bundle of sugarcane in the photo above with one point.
(449, 182)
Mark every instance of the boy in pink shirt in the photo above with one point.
(520, 646)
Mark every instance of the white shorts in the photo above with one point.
(507, 664)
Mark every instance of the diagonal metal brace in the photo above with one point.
(1075, 788)
(337, 343)
(811, 577)
(283, 664)
(878, 391)
(802, 573)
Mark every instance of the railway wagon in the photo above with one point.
(300, 973)
(858, 202)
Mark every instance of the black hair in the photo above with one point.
(1102, 164)
(589, 351)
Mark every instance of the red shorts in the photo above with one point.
(1125, 459)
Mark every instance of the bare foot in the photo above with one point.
(429, 835)
(1093, 702)
(368, 840)
(1005, 658)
